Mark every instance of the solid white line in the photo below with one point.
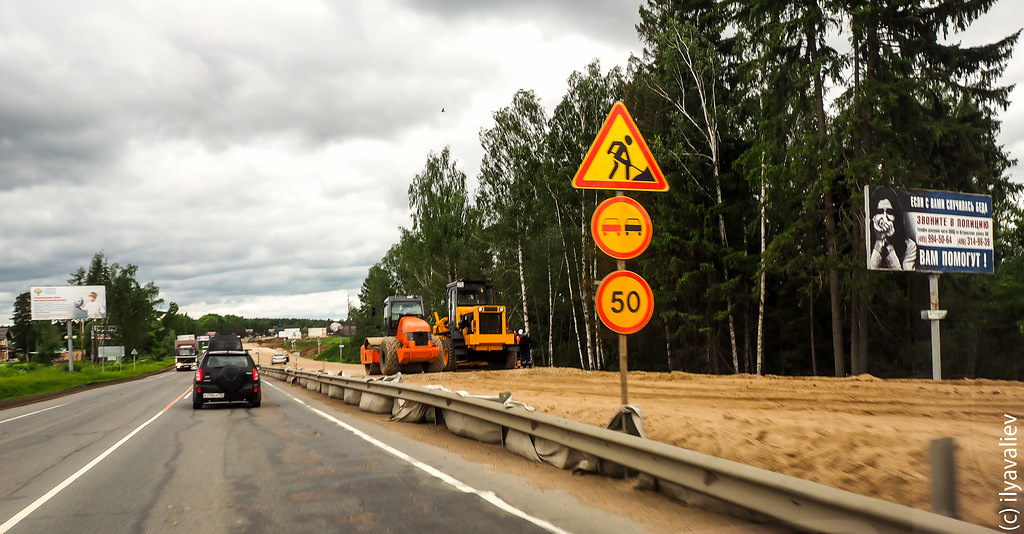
(67, 482)
(33, 413)
(487, 496)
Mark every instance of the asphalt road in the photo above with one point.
(135, 457)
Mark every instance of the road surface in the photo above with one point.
(135, 457)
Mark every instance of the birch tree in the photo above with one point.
(510, 173)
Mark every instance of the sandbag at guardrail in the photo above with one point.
(352, 396)
(628, 421)
(416, 412)
(410, 412)
(374, 403)
(471, 427)
(378, 403)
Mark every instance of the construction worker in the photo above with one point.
(525, 346)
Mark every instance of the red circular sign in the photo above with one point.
(625, 302)
(621, 228)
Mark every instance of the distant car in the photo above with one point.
(226, 375)
(279, 358)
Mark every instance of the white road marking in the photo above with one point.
(487, 496)
(12, 522)
(32, 413)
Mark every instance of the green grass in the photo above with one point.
(329, 349)
(24, 379)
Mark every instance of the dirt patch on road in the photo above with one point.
(859, 434)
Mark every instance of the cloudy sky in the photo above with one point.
(253, 157)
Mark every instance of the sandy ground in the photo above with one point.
(859, 434)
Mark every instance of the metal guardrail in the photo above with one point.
(796, 502)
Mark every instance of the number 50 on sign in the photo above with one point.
(625, 302)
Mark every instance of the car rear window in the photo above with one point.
(215, 360)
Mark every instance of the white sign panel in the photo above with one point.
(290, 333)
(315, 333)
(111, 353)
(60, 303)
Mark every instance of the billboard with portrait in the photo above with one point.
(60, 303)
(928, 231)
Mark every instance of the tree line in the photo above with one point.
(133, 320)
(768, 119)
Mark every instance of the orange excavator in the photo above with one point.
(407, 344)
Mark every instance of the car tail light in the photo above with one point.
(255, 374)
(199, 375)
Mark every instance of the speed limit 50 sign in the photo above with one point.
(625, 302)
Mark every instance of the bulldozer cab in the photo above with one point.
(397, 307)
(463, 296)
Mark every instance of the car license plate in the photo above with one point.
(213, 395)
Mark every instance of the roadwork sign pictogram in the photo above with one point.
(625, 302)
(621, 227)
(619, 158)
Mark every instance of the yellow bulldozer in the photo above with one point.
(475, 332)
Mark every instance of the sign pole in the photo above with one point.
(71, 347)
(623, 344)
(623, 353)
(933, 301)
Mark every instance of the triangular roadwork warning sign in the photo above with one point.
(619, 158)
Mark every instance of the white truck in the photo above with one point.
(186, 352)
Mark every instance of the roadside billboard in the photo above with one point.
(111, 353)
(928, 231)
(290, 333)
(60, 303)
(316, 333)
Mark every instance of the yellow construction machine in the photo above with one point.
(476, 329)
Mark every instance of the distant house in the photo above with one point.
(5, 344)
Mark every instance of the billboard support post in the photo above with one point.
(933, 301)
(71, 346)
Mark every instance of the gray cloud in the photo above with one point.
(256, 160)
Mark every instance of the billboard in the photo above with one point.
(928, 231)
(315, 333)
(290, 333)
(111, 353)
(60, 303)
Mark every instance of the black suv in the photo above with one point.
(226, 374)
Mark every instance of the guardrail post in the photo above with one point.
(944, 477)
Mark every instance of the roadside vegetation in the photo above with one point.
(327, 350)
(25, 379)
(768, 120)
